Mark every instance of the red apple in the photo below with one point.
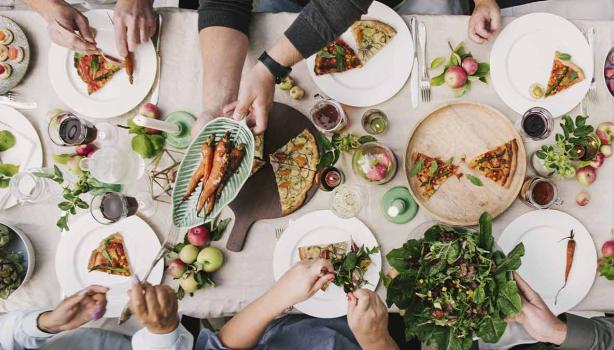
(605, 132)
(84, 150)
(176, 268)
(91, 153)
(198, 236)
(586, 175)
(597, 162)
(607, 249)
(606, 150)
(150, 110)
(609, 72)
(582, 199)
(470, 65)
(455, 77)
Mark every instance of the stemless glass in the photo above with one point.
(29, 188)
(539, 192)
(110, 207)
(328, 115)
(347, 201)
(66, 129)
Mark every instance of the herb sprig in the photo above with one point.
(351, 267)
(338, 143)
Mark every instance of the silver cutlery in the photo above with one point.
(167, 246)
(155, 90)
(425, 80)
(590, 36)
(414, 79)
(10, 99)
(278, 232)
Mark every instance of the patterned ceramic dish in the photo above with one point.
(19, 69)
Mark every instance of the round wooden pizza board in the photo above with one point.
(464, 130)
(259, 198)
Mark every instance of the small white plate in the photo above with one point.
(75, 247)
(117, 96)
(382, 76)
(27, 152)
(543, 264)
(323, 227)
(523, 54)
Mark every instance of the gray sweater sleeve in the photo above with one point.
(320, 22)
(588, 333)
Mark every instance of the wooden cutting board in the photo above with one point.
(464, 130)
(259, 198)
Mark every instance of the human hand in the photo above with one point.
(301, 282)
(134, 22)
(368, 320)
(154, 306)
(255, 98)
(536, 318)
(70, 20)
(73, 312)
(485, 20)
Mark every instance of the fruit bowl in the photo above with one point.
(375, 163)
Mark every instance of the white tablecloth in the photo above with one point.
(248, 274)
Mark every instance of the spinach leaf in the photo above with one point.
(401, 289)
(486, 240)
(512, 261)
(491, 329)
(400, 258)
(508, 299)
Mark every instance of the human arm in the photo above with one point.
(32, 328)
(368, 320)
(58, 11)
(298, 284)
(155, 307)
(485, 20)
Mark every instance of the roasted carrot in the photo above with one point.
(236, 155)
(571, 249)
(220, 163)
(129, 66)
(204, 168)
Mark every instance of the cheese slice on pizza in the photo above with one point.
(110, 257)
(371, 36)
(336, 57)
(498, 164)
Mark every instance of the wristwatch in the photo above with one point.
(278, 71)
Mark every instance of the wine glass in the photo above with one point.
(110, 207)
(66, 129)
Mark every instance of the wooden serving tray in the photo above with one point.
(259, 198)
(465, 129)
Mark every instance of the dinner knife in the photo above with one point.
(414, 80)
(17, 104)
(155, 91)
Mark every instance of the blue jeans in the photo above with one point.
(278, 6)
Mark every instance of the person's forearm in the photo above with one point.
(385, 343)
(245, 329)
(223, 54)
(285, 53)
(40, 6)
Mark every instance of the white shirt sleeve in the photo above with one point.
(19, 330)
(179, 339)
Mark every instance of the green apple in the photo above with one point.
(212, 259)
(188, 282)
(188, 254)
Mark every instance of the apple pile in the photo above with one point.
(194, 261)
(606, 263)
(587, 174)
(460, 69)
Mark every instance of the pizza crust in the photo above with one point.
(512, 149)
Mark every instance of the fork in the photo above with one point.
(590, 37)
(10, 99)
(167, 246)
(278, 232)
(425, 80)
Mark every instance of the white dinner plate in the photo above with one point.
(382, 76)
(117, 96)
(323, 227)
(27, 152)
(523, 54)
(75, 247)
(543, 264)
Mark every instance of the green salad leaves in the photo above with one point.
(452, 286)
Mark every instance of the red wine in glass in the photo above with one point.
(537, 123)
(110, 207)
(74, 131)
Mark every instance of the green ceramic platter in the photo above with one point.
(184, 212)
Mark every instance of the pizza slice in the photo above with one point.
(258, 154)
(293, 184)
(110, 257)
(94, 70)
(336, 57)
(431, 173)
(498, 164)
(332, 252)
(371, 36)
(563, 75)
(301, 151)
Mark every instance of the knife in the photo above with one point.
(414, 80)
(17, 104)
(155, 91)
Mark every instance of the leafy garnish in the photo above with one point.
(474, 180)
(416, 168)
(433, 168)
(351, 267)
(563, 56)
(326, 54)
(94, 65)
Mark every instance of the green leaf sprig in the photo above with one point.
(456, 58)
(338, 143)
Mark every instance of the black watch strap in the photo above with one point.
(278, 71)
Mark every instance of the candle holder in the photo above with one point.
(177, 126)
(162, 173)
(398, 206)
